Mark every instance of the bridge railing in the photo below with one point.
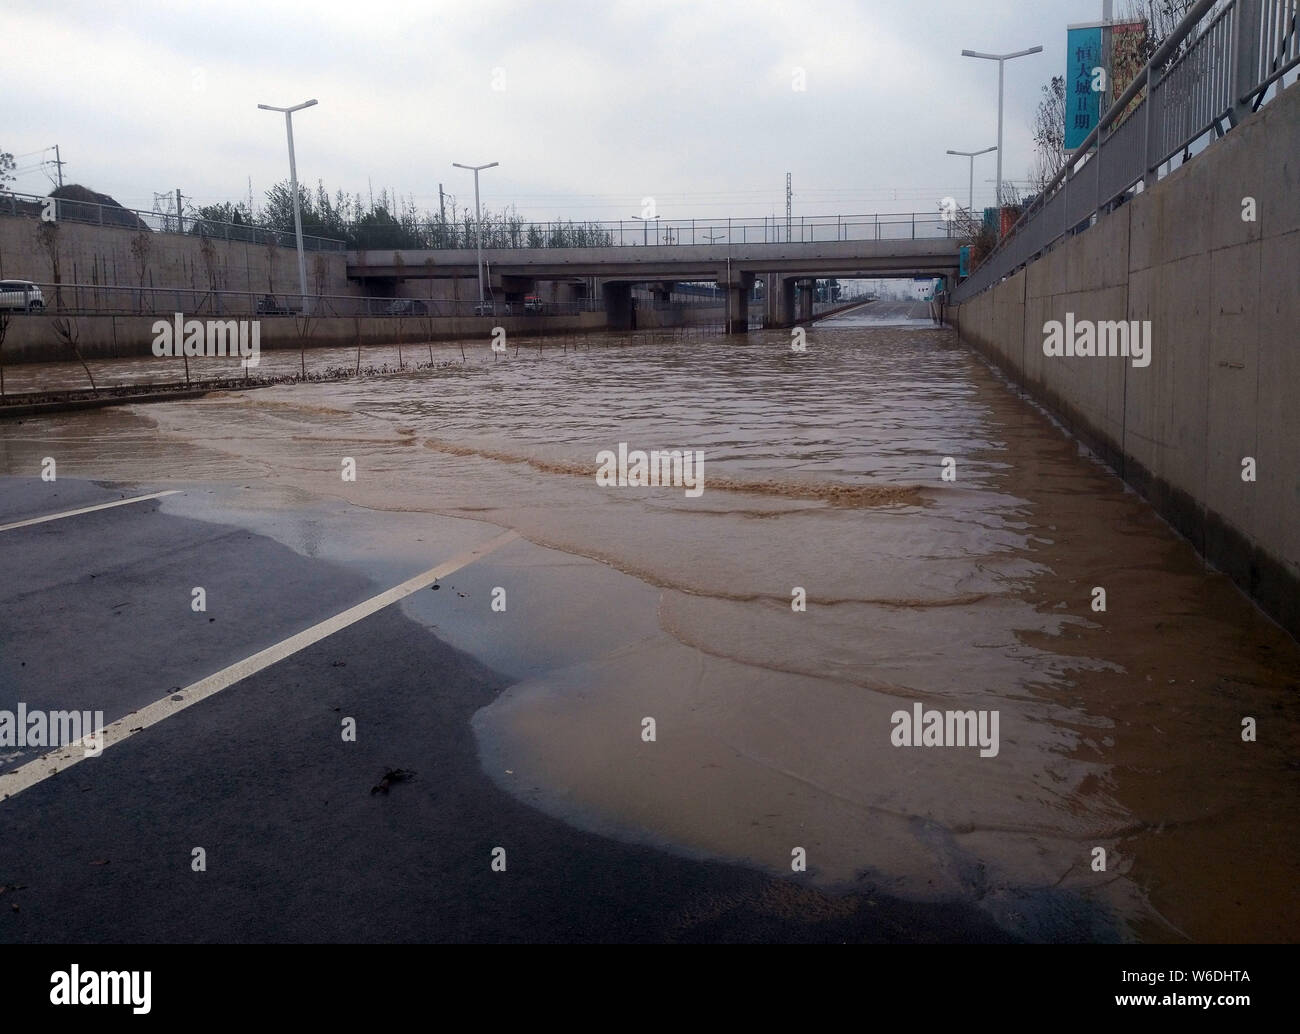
(629, 233)
(1239, 50)
(67, 210)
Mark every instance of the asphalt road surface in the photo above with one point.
(297, 844)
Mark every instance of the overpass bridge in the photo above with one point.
(790, 267)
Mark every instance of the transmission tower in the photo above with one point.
(164, 206)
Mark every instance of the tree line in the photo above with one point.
(393, 223)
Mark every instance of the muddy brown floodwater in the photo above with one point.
(1118, 729)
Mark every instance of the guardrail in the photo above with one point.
(120, 300)
(508, 234)
(66, 210)
(1244, 48)
(629, 233)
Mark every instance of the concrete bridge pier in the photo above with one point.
(807, 295)
(787, 313)
(738, 288)
(778, 304)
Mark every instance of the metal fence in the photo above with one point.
(66, 210)
(629, 233)
(509, 233)
(101, 300)
(1241, 50)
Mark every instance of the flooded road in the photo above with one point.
(949, 541)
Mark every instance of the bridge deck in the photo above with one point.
(667, 262)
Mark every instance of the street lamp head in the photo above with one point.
(296, 107)
(1001, 57)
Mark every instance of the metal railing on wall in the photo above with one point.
(68, 210)
(1244, 47)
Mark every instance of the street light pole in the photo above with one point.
(1001, 59)
(293, 185)
(478, 219)
(645, 228)
(970, 204)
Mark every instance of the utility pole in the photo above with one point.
(442, 204)
(180, 221)
(788, 196)
(58, 164)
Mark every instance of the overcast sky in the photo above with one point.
(604, 103)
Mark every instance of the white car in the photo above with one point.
(21, 295)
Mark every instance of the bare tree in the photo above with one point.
(47, 239)
(320, 273)
(302, 324)
(141, 246)
(209, 254)
(1049, 134)
(970, 229)
(4, 329)
(1162, 18)
(271, 251)
(67, 330)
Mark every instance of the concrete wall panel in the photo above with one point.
(1223, 298)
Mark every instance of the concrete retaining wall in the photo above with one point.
(89, 254)
(1223, 298)
(33, 339)
(102, 255)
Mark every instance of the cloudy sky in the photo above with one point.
(589, 107)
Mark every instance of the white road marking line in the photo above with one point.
(62, 758)
(87, 509)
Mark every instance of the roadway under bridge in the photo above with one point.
(790, 270)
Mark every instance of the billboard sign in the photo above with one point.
(1082, 99)
(1102, 58)
(1127, 41)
